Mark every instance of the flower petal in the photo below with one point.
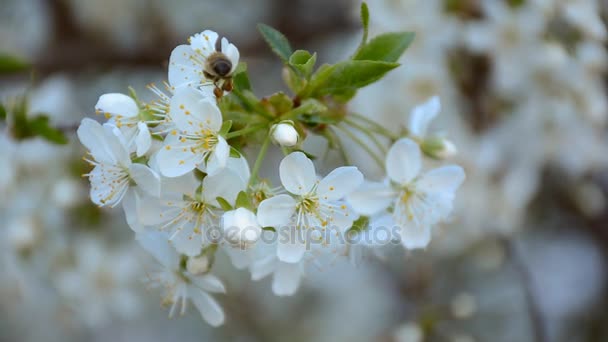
(403, 161)
(286, 279)
(194, 113)
(231, 52)
(117, 104)
(130, 204)
(422, 115)
(339, 183)
(444, 179)
(276, 211)
(371, 198)
(219, 157)
(185, 240)
(297, 173)
(177, 158)
(145, 178)
(415, 237)
(263, 267)
(143, 141)
(209, 283)
(108, 185)
(183, 70)
(156, 244)
(211, 311)
(225, 184)
(104, 146)
(204, 43)
(291, 245)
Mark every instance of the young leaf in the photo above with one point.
(303, 61)
(10, 64)
(386, 47)
(40, 126)
(241, 78)
(365, 17)
(223, 204)
(277, 41)
(280, 103)
(308, 106)
(347, 76)
(226, 126)
(234, 153)
(360, 224)
(365, 24)
(242, 201)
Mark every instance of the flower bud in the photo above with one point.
(284, 134)
(198, 265)
(23, 234)
(438, 148)
(241, 227)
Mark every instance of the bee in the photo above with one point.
(218, 68)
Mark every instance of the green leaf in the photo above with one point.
(277, 41)
(224, 204)
(2, 112)
(308, 106)
(347, 76)
(226, 126)
(10, 64)
(241, 78)
(280, 102)
(39, 126)
(243, 201)
(234, 153)
(303, 61)
(386, 47)
(360, 224)
(365, 16)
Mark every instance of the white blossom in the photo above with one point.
(195, 142)
(311, 208)
(114, 176)
(418, 201)
(181, 285)
(187, 62)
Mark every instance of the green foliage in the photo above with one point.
(347, 76)
(277, 41)
(241, 78)
(360, 224)
(303, 62)
(243, 201)
(226, 126)
(224, 204)
(365, 17)
(386, 47)
(10, 64)
(24, 127)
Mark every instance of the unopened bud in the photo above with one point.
(241, 227)
(284, 134)
(198, 265)
(438, 148)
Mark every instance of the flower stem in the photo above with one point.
(367, 132)
(375, 126)
(243, 131)
(363, 145)
(259, 160)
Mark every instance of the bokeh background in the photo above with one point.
(522, 84)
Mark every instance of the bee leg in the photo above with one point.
(228, 85)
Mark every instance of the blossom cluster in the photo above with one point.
(513, 113)
(178, 166)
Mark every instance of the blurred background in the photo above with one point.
(522, 85)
